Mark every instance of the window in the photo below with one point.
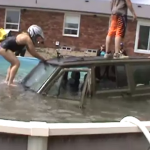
(71, 25)
(39, 76)
(141, 75)
(142, 43)
(110, 77)
(69, 85)
(12, 19)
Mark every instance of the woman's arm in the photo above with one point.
(31, 49)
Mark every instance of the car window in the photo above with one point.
(110, 77)
(69, 85)
(82, 74)
(39, 76)
(141, 75)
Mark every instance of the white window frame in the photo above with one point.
(141, 23)
(17, 10)
(78, 30)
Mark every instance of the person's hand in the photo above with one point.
(134, 17)
(44, 61)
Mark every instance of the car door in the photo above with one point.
(140, 73)
(110, 80)
(70, 84)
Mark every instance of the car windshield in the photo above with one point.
(41, 73)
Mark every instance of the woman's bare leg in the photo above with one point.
(13, 72)
(10, 57)
(8, 74)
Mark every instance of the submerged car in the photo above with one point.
(78, 78)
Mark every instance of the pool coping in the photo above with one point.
(44, 129)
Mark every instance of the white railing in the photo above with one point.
(44, 129)
(40, 131)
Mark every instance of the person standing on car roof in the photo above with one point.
(118, 24)
(15, 43)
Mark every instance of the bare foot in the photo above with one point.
(12, 84)
(5, 81)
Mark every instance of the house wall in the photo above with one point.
(93, 30)
(92, 6)
(2, 17)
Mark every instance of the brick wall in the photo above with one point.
(2, 17)
(52, 24)
(130, 37)
(93, 30)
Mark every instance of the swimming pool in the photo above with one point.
(26, 65)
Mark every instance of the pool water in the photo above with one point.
(18, 104)
(26, 65)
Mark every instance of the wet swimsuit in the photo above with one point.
(10, 44)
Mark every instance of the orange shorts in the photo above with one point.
(117, 26)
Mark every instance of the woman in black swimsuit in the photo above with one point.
(16, 43)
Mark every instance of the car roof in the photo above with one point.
(89, 60)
